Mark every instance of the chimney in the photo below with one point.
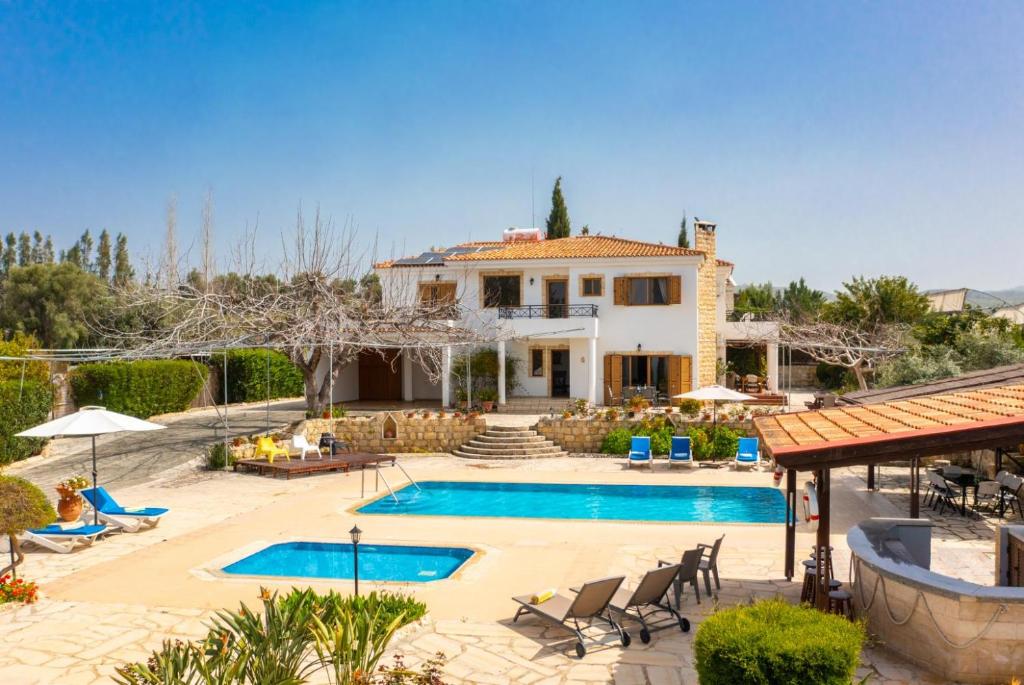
(707, 302)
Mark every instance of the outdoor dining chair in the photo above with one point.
(987, 495)
(689, 568)
(709, 563)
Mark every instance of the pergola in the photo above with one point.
(871, 434)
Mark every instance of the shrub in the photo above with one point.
(775, 643)
(22, 406)
(218, 456)
(723, 443)
(247, 375)
(139, 388)
(661, 440)
(22, 506)
(689, 407)
(17, 590)
(699, 443)
(616, 441)
(18, 346)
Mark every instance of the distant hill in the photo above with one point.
(995, 298)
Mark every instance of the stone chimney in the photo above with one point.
(707, 295)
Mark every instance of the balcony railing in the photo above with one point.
(547, 311)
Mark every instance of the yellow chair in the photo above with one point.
(266, 447)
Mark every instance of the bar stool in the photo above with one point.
(809, 591)
(814, 554)
(841, 602)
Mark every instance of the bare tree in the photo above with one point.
(858, 349)
(207, 238)
(169, 259)
(317, 307)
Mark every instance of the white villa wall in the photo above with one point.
(422, 388)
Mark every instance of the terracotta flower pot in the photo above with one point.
(69, 507)
(488, 405)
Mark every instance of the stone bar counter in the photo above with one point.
(959, 630)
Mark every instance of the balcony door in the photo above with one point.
(557, 293)
(559, 373)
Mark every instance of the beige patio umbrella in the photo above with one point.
(90, 422)
(716, 394)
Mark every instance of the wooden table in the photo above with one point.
(324, 464)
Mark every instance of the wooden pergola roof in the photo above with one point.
(888, 431)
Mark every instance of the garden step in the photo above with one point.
(546, 455)
(510, 439)
(510, 430)
(547, 449)
(486, 447)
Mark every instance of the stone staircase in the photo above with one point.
(535, 405)
(509, 442)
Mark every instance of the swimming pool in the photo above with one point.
(399, 563)
(681, 503)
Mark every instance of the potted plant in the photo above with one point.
(69, 506)
(487, 398)
(462, 398)
(611, 414)
(566, 413)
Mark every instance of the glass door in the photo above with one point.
(558, 299)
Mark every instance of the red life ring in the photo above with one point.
(810, 506)
(777, 477)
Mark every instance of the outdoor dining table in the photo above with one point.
(965, 478)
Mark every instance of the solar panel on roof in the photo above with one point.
(437, 258)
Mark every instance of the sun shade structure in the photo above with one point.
(869, 434)
(90, 422)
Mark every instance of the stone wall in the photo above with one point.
(412, 434)
(707, 314)
(585, 435)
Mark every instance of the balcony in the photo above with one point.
(548, 311)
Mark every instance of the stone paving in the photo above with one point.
(81, 642)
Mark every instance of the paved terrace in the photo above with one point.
(118, 600)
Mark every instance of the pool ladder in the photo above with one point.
(380, 476)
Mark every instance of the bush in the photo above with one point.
(723, 443)
(218, 457)
(775, 643)
(17, 590)
(21, 407)
(699, 443)
(139, 388)
(616, 441)
(247, 375)
(18, 346)
(689, 407)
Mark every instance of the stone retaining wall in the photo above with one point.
(585, 435)
(411, 434)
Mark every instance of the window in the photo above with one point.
(648, 290)
(645, 370)
(536, 363)
(592, 286)
(435, 294)
(502, 291)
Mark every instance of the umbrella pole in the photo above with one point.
(95, 509)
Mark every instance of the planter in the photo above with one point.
(488, 406)
(69, 507)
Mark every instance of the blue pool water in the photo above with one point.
(334, 560)
(580, 501)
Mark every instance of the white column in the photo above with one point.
(501, 372)
(406, 376)
(446, 377)
(592, 381)
(772, 350)
(469, 378)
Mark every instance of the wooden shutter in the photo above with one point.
(446, 293)
(675, 290)
(621, 286)
(612, 379)
(680, 373)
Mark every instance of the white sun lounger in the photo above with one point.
(56, 539)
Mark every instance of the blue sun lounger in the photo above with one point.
(129, 519)
(63, 540)
(748, 453)
(680, 452)
(640, 451)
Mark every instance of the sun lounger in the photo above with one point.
(63, 541)
(680, 452)
(748, 453)
(640, 451)
(650, 598)
(589, 603)
(129, 519)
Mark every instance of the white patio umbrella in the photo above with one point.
(90, 422)
(716, 394)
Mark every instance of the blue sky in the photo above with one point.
(827, 139)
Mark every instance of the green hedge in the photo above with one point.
(140, 388)
(247, 375)
(775, 643)
(705, 442)
(16, 415)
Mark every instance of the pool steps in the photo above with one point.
(509, 442)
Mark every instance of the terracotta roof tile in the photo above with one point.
(577, 247)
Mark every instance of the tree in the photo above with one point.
(801, 302)
(868, 302)
(123, 272)
(558, 224)
(57, 303)
(23, 507)
(758, 300)
(684, 239)
(10, 254)
(85, 245)
(847, 345)
(37, 248)
(24, 249)
(585, 230)
(48, 254)
(103, 258)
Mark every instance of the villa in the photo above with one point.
(588, 316)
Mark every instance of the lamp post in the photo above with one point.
(355, 534)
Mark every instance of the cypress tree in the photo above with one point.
(103, 258)
(86, 246)
(48, 257)
(684, 239)
(11, 253)
(558, 224)
(24, 249)
(37, 248)
(123, 272)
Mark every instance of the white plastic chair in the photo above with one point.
(300, 443)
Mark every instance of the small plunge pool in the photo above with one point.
(394, 563)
